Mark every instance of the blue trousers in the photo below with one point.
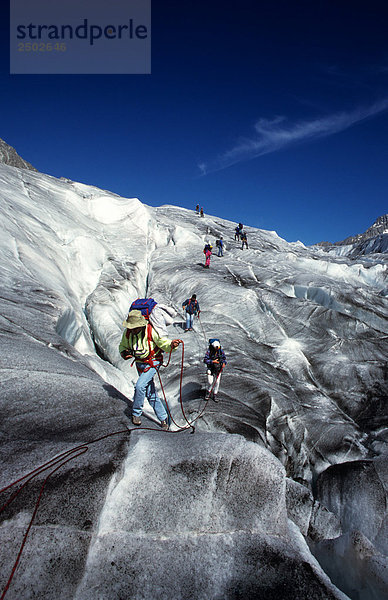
(145, 387)
(189, 320)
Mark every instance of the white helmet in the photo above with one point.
(216, 344)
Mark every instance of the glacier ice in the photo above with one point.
(282, 486)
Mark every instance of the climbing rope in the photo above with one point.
(55, 464)
(189, 424)
(205, 338)
(198, 340)
(67, 456)
(214, 382)
(203, 331)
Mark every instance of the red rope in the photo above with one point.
(188, 426)
(57, 462)
(189, 423)
(81, 451)
(68, 455)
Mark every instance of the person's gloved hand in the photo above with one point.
(125, 354)
(175, 344)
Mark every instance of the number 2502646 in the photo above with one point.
(41, 47)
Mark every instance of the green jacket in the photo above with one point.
(138, 345)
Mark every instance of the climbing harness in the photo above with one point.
(189, 304)
(154, 358)
(146, 306)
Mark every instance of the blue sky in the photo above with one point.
(270, 113)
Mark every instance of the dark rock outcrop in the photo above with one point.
(9, 156)
(379, 226)
(373, 241)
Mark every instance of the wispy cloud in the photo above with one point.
(276, 134)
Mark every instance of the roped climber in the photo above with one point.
(192, 309)
(208, 253)
(215, 360)
(244, 240)
(142, 342)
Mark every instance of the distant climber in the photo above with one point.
(220, 245)
(244, 240)
(207, 252)
(192, 309)
(197, 209)
(142, 342)
(201, 212)
(237, 233)
(215, 360)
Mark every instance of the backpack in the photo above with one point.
(158, 315)
(145, 305)
(194, 302)
(215, 352)
(206, 248)
(217, 243)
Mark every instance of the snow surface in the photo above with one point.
(283, 484)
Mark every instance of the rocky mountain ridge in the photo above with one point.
(379, 228)
(9, 156)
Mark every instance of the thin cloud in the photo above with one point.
(276, 134)
(202, 168)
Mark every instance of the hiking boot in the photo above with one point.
(164, 426)
(215, 398)
(136, 420)
(208, 395)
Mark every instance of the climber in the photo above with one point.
(201, 212)
(237, 233)
(197, 209)
(208, 252)
(215, 360)
(220, 247)
(142, 342)
(244, 240)
(192, 309)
